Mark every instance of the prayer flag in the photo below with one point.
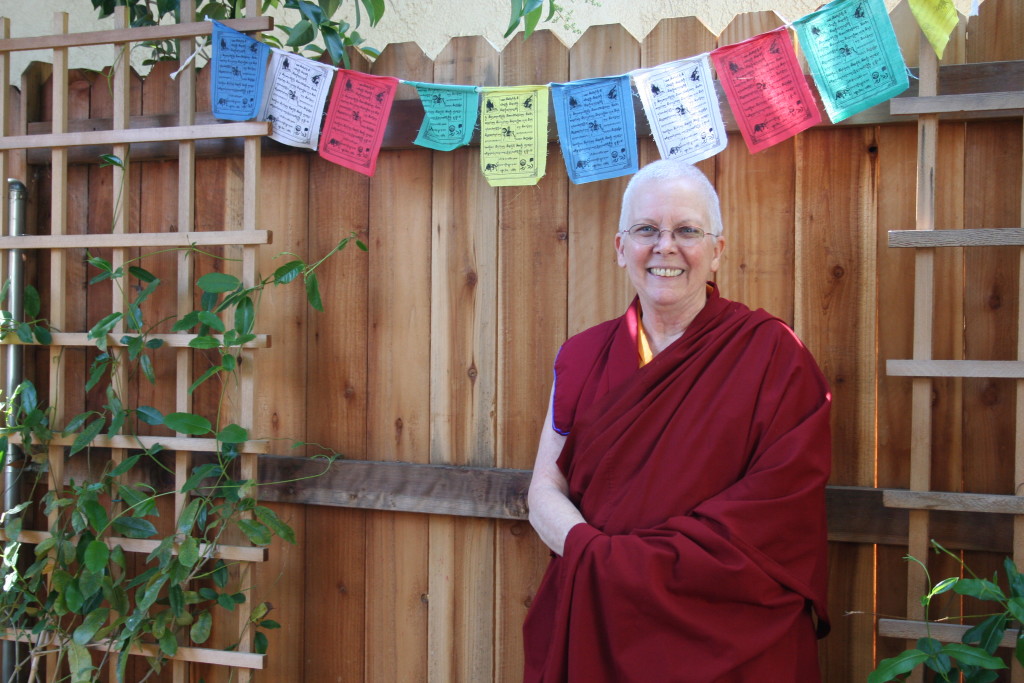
(937, 19)
(449, 115)
(596, 127)
(239, 66)
(293, 100)
(767, 91)
(514, 134)
(356, 119)
(682, 109)
(853, 55)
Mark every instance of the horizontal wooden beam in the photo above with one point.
(128, 136)
(138, 239)
(961, 502)
(943, 632)
(969, 237)
(1003, 369)
(168, 443)
(201, 655)
(945, 104)
(240, 553)
(262, 341)
(133, 35)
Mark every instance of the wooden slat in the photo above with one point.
(177, 443)
(188, 654)
(126, 136)
(964, 502)
(941, 104)
(943, 632)
(261, 341)
(140, 545)
(968, 237)
(143, 33)
(955, 368)
(139, 239)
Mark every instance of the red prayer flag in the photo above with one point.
(767, 92)
(356, 118)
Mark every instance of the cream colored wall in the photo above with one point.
(424, 23)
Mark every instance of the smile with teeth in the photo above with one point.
(665, 272)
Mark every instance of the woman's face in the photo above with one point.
(669, 279)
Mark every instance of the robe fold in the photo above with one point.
(702, 478)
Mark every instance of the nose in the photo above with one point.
(666, 242)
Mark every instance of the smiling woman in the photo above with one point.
(687, 548)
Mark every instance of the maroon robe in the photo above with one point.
(701, 476)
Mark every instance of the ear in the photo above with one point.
(619, 255)
(716, 258)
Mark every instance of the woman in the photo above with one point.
(679, 481)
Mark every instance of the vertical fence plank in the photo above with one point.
(835, 284)
(532, 251)
(334, 638)
(463, 350)
(598, 288)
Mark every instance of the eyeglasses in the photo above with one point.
(684, 235)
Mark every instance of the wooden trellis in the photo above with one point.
(120, 137)
(923, 368)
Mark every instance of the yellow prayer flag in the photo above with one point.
(937, 19)
(513, 134)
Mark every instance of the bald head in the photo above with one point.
(668, 170)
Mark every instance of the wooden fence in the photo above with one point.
(430, 367)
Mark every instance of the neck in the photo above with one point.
(664, 327)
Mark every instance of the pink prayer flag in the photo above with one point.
(356, 118)
(767, 92)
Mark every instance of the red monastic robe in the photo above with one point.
(702, 478)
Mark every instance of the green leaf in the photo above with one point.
(142, 274)
(336, 49)
(96, 514)
(888, 669)
(87, 435)
(73, 597)
(80, 663)
(204, 342)
(187, 520)
(292, 269)
(259, 643)
(212, 320)
(93, 622)
(270, 519)
(200, 474)
(187, 423)
(187, 322)
(42, 335)
(24, 332)
(1016, 607)
(134, 320)
(245, 315)
(233, 434)
(216, 283)
(125, 465)
(134, 527)
(313, 292)
(302, 33)
(31, 302)
(257, 533)
(110, 159)
(188, 552)
(104, 326)
(200, 630)
(76, 423)
(96, 556)
(988, 634)
(982, 589)
(968, 655)
(210, 372)
(220, 574)
(150, 415)
(515, 16)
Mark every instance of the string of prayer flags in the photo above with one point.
(937, 19)
(682, 109)
(293, 99)
(239, 64)
(356, 119)
(514, 134)
(853, 55)
(767, 91)
(449, 115)
(596, 127)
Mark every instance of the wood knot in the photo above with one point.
(472, 372)
(471, 278)
(838, 272)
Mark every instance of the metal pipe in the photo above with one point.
(17, 196)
